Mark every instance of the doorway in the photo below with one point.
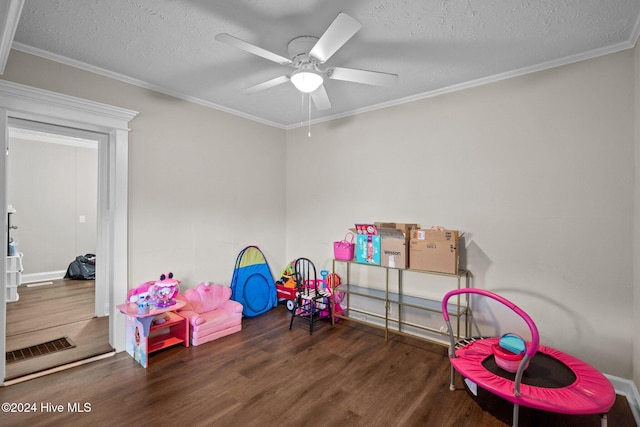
(52, 187)
(52, 183)
(20, 102)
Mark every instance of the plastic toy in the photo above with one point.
(140, 295)
(161, 318)
(286, 287)
(332, 281)
(164, 291)
(288, 271)
(287, 293)
(287, 290)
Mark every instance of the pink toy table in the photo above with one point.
(140, 337)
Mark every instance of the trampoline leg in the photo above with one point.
(516, 414)
(603, 420)
(452, 385)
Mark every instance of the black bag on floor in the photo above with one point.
(84, 267)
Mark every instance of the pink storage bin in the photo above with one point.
(344, 249)
(507, 360)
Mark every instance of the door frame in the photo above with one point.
(37, 105)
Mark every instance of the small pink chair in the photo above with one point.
(211, 312)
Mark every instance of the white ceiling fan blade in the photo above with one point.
(321, 99)
(248, 47)
(339, 32)
(266, 85)
(374, 78)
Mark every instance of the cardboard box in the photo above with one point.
(392, 247)
(434, 250)
(406, 228)
(368, 249)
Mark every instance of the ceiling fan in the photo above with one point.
(307, 54)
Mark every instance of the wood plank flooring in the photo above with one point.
(43, 313)
(268, 375)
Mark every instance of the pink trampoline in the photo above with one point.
(553, 381)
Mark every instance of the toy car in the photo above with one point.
(287, 293)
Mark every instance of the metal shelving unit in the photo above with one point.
(394, 296)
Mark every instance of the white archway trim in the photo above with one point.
(23, 102)
(33, 102)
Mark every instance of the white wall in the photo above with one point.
(203, 185)
(50, 185)
(536, 170)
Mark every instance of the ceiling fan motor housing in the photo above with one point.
(299, 49)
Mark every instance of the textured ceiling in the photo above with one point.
(434, 46)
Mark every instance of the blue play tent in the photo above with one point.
(252, 284)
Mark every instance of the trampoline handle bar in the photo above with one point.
(535, 338)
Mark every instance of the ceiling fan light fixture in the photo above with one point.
(306, 81)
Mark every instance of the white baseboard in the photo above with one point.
(57, 369)
(42, 277)
(628, 389)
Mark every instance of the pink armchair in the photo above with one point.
(211, 312)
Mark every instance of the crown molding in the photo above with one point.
(136, 82)
(26, 102)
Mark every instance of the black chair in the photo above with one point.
(312, 298)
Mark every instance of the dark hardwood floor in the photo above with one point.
(44, 313)
(267, 375)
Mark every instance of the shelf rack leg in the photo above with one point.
(387, 307)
